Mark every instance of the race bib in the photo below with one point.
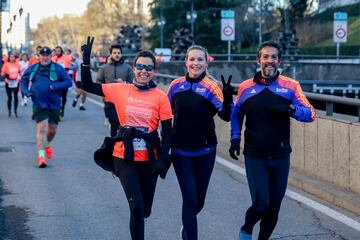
(138, 143)
(13, 84)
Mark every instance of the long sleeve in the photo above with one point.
(304, 111)
(225, 113)
(65, 82)
(87, 83)
(237, 118)
(24, 81)
(166, 136)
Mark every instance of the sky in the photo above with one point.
(39, 9)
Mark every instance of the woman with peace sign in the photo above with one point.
(195, 99)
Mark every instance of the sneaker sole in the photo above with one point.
(43, 165)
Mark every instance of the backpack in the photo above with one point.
(52, 76)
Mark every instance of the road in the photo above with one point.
(74, 199)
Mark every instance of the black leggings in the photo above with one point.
(139, 185)
(267, 181)
(193, 174)
(63, 98)
(9, 92)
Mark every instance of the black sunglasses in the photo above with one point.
(147, 68)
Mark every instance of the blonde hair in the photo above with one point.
(197, 47)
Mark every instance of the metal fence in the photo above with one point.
(330, 100)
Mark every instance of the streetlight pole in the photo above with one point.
(191, 17)
(161, 24)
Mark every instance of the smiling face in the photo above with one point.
(196, 63)
(142, 71)
(269, 61)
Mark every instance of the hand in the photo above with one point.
(161, 167)
(6, 76)
(227, 89)
(234, 148)
(86, 50)
(283, 110)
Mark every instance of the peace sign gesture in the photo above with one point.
(86, 49)
(227, 90)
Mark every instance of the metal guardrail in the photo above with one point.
(328, 99)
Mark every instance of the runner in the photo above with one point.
(65, 61)
(24, 64)
(35, 58)
(11, 72)
(47, 80)
(195, 99)
(76, 60)
(140, 106)
(268, 100)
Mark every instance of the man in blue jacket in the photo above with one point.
(46, 80)
(268, 100)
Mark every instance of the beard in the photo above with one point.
(269, 73)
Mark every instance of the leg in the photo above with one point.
(63, 100)
(83, 96)
(184, 169)
(8, 93)
(16, 99)
(258, 180)
(129, 175)
(147, 184)
(204, 166)
(279, 172)
(40, 134)
(51, 132)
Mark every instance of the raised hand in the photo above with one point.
(227, 89)
(86, 50)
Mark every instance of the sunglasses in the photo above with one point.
(147, 68)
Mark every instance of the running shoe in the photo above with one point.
(41, 162)
(48, 152)
(82, 108)
(74, 102)
(245, 236)
(183, 233)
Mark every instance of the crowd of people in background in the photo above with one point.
(15, 64)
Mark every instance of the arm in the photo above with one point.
(237, 118)
(24, 82)
(86, 79)
(304, 111)
(163, 164)
(66, 80)
(87, 84)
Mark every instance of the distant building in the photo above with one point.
(325, 4)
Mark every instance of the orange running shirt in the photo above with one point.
(136, 108)
(33, 60)
(13, 69)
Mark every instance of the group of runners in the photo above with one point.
(136, 109)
